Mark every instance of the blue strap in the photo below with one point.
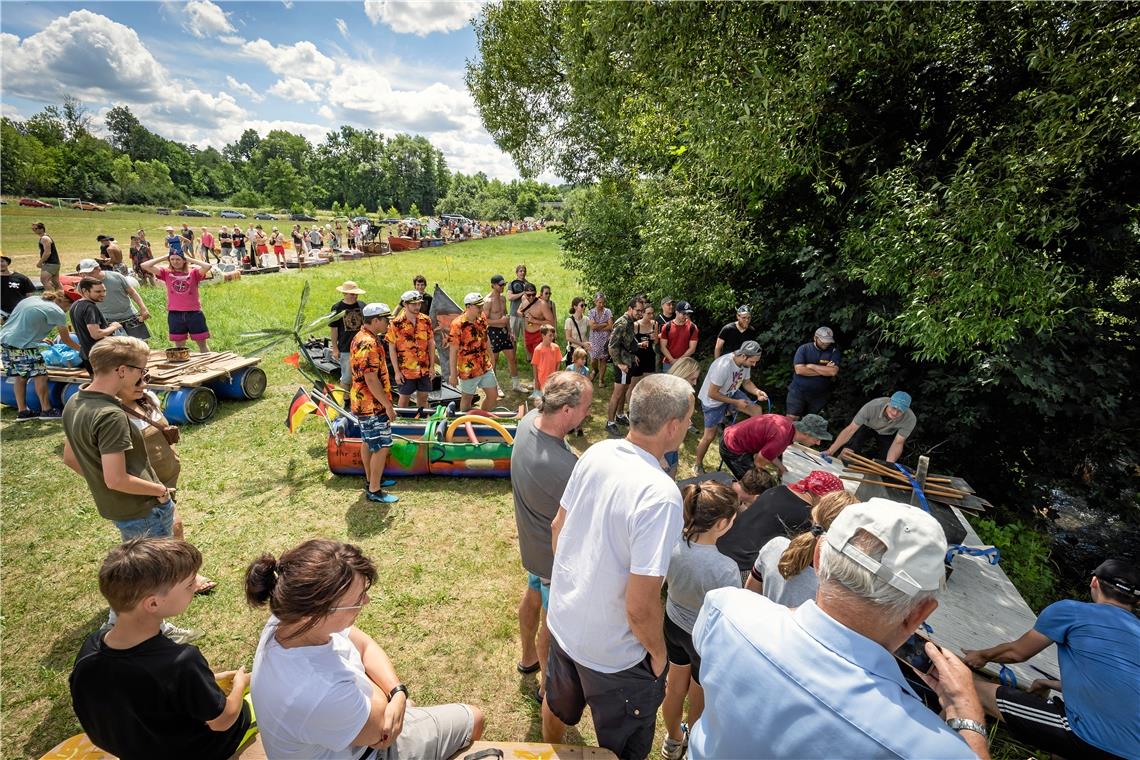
(769, 405)
(990, 554)
(1007, 677)
(926, 627)
(913, 484)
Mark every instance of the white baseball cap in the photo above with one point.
(376, 310)
(87, 265)
(473, 299)
(915, 558)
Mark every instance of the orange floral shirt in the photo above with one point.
(413, 344)
(365, 356)
(472, 358)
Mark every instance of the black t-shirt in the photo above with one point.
(14, 287)
(152, 700)
(225, 241)
(53, 257)
(733, 338)
(348, 324)
(426, 308)
(776, 512)
(82, 313)
(238, 239)
(515, 287)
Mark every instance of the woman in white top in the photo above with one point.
(576, 328)
(783, 571)
(323, 689)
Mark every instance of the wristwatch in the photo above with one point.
(964, 724)
(400, 687)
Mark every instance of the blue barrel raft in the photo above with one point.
(248, 383)
(8, 395)
(189, 406)
(69, 390)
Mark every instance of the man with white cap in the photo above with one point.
(721, 393)
(370, 396)
(412, 349)
(814, 369)
(830, 683)
(888, 419)
(472, 365)
(117, 303)
(345, 326)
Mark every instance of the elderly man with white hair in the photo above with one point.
(820, 681)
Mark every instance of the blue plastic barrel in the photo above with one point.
(8, 395)
(248, 383)
(69, 390)
(189, 406)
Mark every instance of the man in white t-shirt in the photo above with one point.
(721, 393)
(619, 519)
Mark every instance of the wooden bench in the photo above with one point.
(537, 751)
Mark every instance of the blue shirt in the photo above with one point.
(30, 322)
(809, 353)
(174, 243)
(1098, 647)
(798, 684)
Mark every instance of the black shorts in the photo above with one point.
(623, 704)
(679, 647)
(621, 378)
(738, 464)
(1044, 724)
(500, 338)
(183, 323)
(419, 385)
(799, 404)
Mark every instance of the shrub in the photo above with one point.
(1024, 557)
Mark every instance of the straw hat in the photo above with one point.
(348, 286)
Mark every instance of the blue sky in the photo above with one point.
(202, 72)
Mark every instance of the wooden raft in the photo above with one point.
(980, 606)
(166, 375)
(537, 751)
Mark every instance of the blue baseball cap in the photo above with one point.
(900, 400)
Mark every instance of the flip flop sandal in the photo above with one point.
(205, 588)
(526, 670)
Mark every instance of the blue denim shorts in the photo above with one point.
(159, 523)
(376, 432)
(471, 385)
(541, 586)
(714, 415)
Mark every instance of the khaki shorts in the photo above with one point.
(52, 269)
(438, 731)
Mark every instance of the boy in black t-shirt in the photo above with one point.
(136, 693)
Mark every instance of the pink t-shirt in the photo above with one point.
(181, 288)
(208, 241)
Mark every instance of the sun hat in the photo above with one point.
(473, 299)
(412, 296)
(349, 286)
(817, 483)
(87, 265)
(915, 559)
(169, 228)
(373, 310)
(900, 400)
(813, 425)
(825, 336)
(748, 348)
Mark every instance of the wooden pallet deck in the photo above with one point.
(170, 376)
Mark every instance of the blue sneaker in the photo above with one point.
(385, 483)
(381, 497)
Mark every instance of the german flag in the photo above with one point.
(300, 407)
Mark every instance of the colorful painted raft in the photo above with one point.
(466, 446)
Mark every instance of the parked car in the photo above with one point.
(302, 218)
(34, 203)
(359, 219)
(162, 211)
(231, 214)
(87, 206)
(187, 211)
(390, 221)
(265, 215)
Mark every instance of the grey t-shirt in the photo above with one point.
(117, 305)
(872, 416)
(540, 467)
(694, 570)
(790, 592)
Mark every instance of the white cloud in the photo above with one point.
(326, 113)
(422, 17)
(203, 19)
(292, 89)
(244, 89)
(342, 27)
(301, 59)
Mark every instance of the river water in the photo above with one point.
(1083, 536)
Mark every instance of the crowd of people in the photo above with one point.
(783, 603)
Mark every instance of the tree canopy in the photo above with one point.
(952, 187)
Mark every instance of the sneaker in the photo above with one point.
(52, 414)
(381, 497)
(621, 419)
(693, 430)
(672, 749)
(613, 429)
(27, 414)
(180, 635)
(385, 483)
(699, 469)
(515, 384)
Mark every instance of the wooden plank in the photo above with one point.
(538, 751)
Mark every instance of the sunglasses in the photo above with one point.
(145, 372)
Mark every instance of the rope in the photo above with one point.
(990, 554)
(914, 484)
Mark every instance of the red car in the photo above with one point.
(87, 206)
(34, 203)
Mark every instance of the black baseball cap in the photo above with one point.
(498, 280)
(6, 259)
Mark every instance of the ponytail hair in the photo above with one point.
(306, 582)
(798, 555)
(705, 505)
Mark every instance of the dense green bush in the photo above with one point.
(1024, 558)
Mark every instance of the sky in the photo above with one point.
(202, 72)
